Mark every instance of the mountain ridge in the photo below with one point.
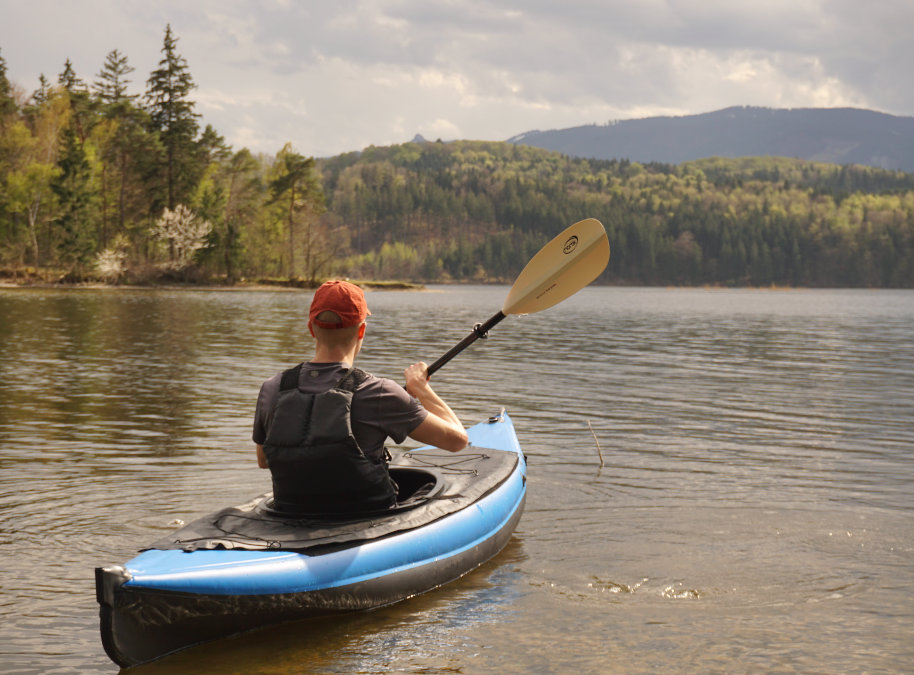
(831, 135)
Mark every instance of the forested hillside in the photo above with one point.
(96, 183)
(480, 210)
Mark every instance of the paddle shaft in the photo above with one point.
(479, 331)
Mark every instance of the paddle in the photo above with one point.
(562, 267)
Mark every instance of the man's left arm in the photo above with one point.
(259, 433)
(261, 457)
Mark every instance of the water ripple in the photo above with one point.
(756, 445)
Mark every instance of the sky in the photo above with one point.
(334, 76)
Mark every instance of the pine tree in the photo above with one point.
(68, 79)
(213, 147)
(41, 95)
(7, 102)
(8, 118)
(72, 187)
(172, 116)
(111, 86)
(123, 140)
(80, 104)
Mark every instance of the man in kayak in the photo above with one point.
(321, 427)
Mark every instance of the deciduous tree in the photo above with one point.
(33, 167)
(243, 202)
(296, 184)
(183, 232)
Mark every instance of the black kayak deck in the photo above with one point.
(459, 481)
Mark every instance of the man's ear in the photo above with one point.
(311, 329)
(362, 331)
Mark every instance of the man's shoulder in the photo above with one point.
(321, 377)
(272, 383)
(369, 382)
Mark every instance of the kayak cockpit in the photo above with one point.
(415, 487)
(435, 483)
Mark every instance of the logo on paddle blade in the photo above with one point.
(570, 245)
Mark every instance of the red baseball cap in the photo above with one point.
(343, 299)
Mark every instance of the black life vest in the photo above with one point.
(316, 463)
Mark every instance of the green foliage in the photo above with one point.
(86, 175)
(757, 221)
(172, 117)
(111, 86)
(81, 116)
(295, 187)
(73, 226)
(7, 102)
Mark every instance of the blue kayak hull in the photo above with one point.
(166, 600)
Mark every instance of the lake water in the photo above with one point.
(755, 512)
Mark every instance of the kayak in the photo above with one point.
(249, 566)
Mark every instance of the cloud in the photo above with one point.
(332, 77)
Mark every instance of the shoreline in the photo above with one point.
(372, 286)
(237, 287)
(33, 281)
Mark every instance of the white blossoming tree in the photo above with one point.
(184, 233)
(111, 263)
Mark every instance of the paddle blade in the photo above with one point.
(562, 267)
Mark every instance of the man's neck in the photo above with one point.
(325, 354)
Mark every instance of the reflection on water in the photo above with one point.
(434, 629)
(754, 510)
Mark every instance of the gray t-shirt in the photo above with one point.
(381, 408)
